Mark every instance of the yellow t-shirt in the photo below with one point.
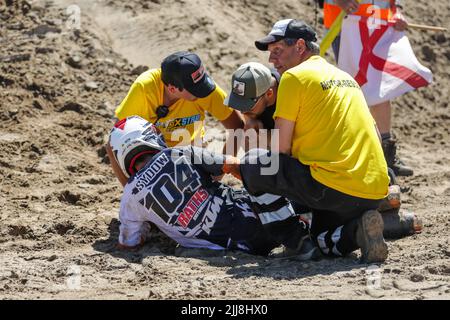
(334, 132)
(146, 94)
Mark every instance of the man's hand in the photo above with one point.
(400, 23)
(231, 166)
(348, 6)
(251, 123)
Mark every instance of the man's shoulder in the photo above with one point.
(314, 69)
(149, 76)
(217, 95)
(213, 103)
(172, 155)
(314, 62)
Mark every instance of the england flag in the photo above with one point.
(380, 59)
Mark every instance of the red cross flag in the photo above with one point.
(380, 59)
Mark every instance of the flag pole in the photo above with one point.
(332, 32)
(425, 27)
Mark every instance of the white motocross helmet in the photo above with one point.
(131, 138)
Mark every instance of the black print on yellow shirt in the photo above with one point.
(328, 84)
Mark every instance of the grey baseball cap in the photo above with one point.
(249, 82)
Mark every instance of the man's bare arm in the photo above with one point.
(115, 166)
(234, 121)
(286, 130)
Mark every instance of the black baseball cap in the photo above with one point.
(287, 28)
(185, 70)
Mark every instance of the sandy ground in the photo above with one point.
(59, 200)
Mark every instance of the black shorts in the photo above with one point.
(293, 180)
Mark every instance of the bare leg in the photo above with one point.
(382, 115)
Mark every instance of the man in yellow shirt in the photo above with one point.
(176, 98)
(387, 11)
(330, 157)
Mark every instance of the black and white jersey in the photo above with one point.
(176, 193)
